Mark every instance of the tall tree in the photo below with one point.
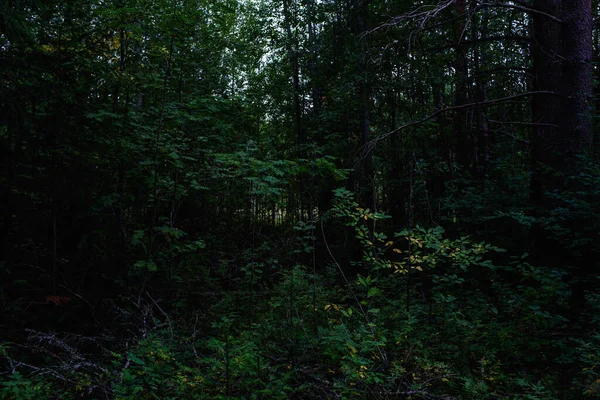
(463, 149)
(359, 26)
(547, 72)
(577, 77)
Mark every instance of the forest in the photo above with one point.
(300, 199)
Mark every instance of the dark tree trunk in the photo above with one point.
(482, 155)
(463, 146)
(312, 62)
(576, 129)
(292, 50)
(596, 61)
(545, 109)
(545, 114)
(119, 211)
(366, 186)
(562, 63)
(395, 189)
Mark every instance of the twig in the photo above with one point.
(523, 8)
(163, 313)
(77, 295)
(364, 314)
(510, 135)
(523, 123)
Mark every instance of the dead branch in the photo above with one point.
(370, 146)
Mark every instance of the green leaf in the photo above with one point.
(147, 265)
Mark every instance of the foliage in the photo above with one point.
(298, 199)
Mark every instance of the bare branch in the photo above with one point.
(422, 15)
(523, 8)
(522, 123)
(370, 146)
(510, 135)
(163, 313)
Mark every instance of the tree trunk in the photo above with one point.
(576, 127)
(482, 155)
(545, 109)
(366, 186)
(576, 132)
(595, 61)
(562, 63)
(292, 50)
(462, 137)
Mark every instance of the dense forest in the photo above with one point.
(300, 199)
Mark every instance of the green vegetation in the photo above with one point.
(299, 199)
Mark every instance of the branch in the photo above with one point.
(510, 69)
(422, 15)
(426, 13)
(510, 135)
(523, 8)
(358, 303)
(523, 123)
(369, 146)
(163, 313)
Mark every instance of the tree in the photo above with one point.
(299, 198)
(577, 74)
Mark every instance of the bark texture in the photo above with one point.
(577, 77)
